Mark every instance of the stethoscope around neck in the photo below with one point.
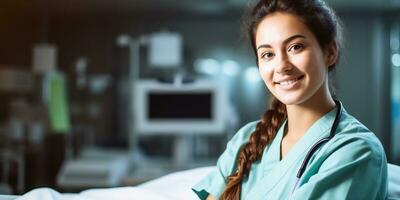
(317, 145)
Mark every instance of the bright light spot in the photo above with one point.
(252, 75)
(394, 44)
(207, 66)
(123, 40)
(396, 59)
(230, 67)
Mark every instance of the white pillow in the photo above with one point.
(120, 193)
(177, 186)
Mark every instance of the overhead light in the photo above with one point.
(394, 44)
(123, 40)
(230, 67)
(252, 75)
(207, 66)
(396, 60)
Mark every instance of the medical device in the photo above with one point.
(182, 110)
(186, 108)
(315, 147)
(94, 167)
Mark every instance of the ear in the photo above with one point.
(331, 54)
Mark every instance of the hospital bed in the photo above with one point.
(173, 186)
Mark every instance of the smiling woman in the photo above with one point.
(306, 146)
(290, 60)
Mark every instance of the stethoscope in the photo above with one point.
(317, 145)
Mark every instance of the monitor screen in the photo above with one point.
(180, 105)
(197, 107)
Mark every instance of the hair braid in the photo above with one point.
(252, 151)
(323, 23)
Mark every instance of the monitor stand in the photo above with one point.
(94, 168)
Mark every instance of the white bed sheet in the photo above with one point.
(121, 193)
(7, 197)
(175, 186)
(394, 182)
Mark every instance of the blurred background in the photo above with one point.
(99, 93)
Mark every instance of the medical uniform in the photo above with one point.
(352, 165)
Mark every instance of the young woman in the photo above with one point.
(306, 146)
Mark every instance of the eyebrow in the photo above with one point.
(285, 41)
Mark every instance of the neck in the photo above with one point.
(302, 116)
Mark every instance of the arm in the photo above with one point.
(210, 197)
(211, 187)
(355, 168)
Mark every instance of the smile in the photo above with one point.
(289, 82)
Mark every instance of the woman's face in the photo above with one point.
(291, 62)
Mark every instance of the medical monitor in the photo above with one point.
(187, 108)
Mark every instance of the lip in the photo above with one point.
(289, 83)
(290, 78)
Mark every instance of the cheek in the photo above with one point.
(266, 73)
(304, 62)
(309, 63)
(318, 67)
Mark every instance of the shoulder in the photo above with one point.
(354, 140)
(243, 134)
(241, 137)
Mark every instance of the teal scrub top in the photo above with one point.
(352, 165)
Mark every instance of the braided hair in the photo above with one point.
(324, 24)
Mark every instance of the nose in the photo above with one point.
(283, 66)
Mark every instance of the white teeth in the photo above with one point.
(284, 83)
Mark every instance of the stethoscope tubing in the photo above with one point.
(315, 147)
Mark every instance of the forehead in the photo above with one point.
(277, 27)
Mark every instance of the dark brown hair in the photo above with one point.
(324, 24)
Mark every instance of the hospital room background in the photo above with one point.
(98, 93)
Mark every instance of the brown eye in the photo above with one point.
(267, 55)
(296, 47)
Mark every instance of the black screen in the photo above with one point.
(180, 105)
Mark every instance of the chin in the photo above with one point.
(288, 102)
(290, 99)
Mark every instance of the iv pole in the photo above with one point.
(134, 75)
